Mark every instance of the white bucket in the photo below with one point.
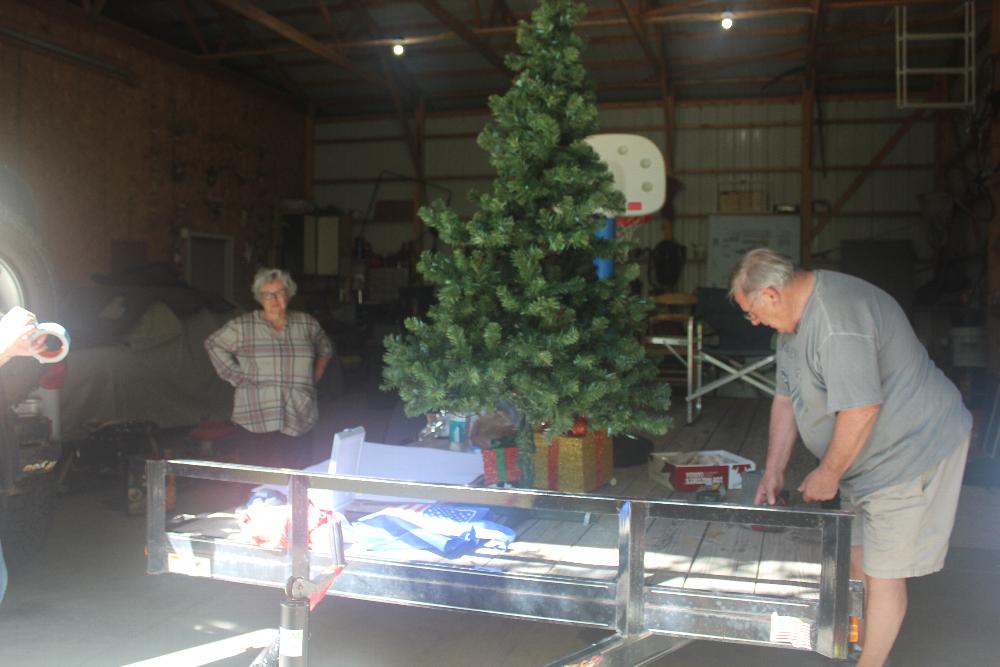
(968, 346)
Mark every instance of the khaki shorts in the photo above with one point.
(904, 529)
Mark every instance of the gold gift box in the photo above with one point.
(573, 463)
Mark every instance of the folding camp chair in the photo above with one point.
(667, 336)
(740, 350)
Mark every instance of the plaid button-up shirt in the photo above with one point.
(271, 370)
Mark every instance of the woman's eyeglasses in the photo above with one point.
(274, 296)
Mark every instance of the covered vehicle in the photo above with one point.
(138, 352)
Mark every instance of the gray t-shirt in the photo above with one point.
(855, 347)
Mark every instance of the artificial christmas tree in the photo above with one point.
(521, 316)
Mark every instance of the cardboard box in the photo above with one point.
(691, 471)
(730, 202)
(743, 201)
(758, 201)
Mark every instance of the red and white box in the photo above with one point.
(691, 471)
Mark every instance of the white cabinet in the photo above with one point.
(321, 245)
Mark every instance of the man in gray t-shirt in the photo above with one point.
(889, 428)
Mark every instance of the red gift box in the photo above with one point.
(500, 465)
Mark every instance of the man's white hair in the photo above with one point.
(265, 276)
(761, 268)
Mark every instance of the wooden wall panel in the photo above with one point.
(137, 160)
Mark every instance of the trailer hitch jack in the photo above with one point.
(291, 647)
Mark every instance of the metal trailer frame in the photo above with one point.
(648, 621)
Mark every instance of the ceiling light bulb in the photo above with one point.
(727, 20)
(398, 49)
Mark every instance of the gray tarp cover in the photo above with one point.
(140, 358)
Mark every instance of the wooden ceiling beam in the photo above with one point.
(652, 84)
(851, 33)
(191, 23)
(676, 82)
(867, 4)
(331, 28)
(500, 10)
(777, 54)
(465, 33)
(94, 7)
(62, 13)
(683, 11)
(227, 37)
(370, 26)
(669, 112)
(666, 14)
(412, 142)
(279, 46)
(815, 21)
(638, 28)
(296, 36)
(451, 73)
(796, 51)
(235, 24)
(862, 176)
(641, 104)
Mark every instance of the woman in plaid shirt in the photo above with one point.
(274, 358)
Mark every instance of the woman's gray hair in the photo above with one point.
(761, 268)
(265, 276)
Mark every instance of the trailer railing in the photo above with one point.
(648, 621)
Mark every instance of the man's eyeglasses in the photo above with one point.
(748, 313)
(274, 296)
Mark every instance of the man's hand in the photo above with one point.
(771, 484)
(820, 484)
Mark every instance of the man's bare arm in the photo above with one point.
(850, 433)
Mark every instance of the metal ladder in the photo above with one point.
(967, 72)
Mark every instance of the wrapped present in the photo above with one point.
(500, 465)
(575, 463)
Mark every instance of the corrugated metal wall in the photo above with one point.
(718, 148)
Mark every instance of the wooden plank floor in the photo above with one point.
(693, 555)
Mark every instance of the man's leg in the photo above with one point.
(858, 574)
(885, 607)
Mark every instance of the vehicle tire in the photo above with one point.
(26, 281)
(25, 278)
